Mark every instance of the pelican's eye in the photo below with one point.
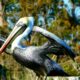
(20, 24)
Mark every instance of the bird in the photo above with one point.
(35, 57)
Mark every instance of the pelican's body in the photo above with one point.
(35, 57)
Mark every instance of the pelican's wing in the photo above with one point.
(55, 38)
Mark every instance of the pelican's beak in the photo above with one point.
(12, 34)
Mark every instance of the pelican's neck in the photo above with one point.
(29, 28)
(17, 41)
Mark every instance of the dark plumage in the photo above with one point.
(57, 43)
(36, 59)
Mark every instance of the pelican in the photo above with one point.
(35, 57)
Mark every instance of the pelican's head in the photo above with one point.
(21, 22)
